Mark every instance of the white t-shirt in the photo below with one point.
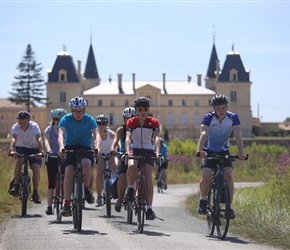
(26, 138)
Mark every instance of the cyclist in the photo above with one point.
(51, 147)
(140, 131)
(77, 130)
(163, 168)
(26, 139)
(120, 136)
(215, 130)
(105, 139)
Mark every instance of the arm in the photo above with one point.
(94, 137)
(13, 143)
(239, 141)
(47, 142)
(117, 137)
(156, 142)
(60, 139)
(128, 141)
(202, 140)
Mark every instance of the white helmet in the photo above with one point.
(129, 112)
(77, 102)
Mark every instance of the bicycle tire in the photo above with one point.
(58, 199)
(79, 200)
(108, 198)
(141, 204)
(223, 212)
(24, 196)
(129, 212)
(210, 211)
(74, 206)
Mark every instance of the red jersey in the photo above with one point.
(142, 135)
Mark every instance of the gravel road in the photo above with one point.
(179, 230)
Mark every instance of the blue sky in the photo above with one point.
(154, 37)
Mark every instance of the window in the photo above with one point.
(111, 119)
(184, 119)
(196, 119)
(62, 75)
(170, 102)
(183, 102)
(196, 103)
(112, 103)
(2, 117)
(126, 103)
(233, 75)
(100, 103)
(170, 119)
(62, 97)
(233, 96)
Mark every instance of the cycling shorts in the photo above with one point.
(208, 163)
(29, 151)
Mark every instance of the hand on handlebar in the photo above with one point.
(14, 154)
(201, 154)
(61, 152)
(243, 157)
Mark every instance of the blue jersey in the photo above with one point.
(78, 133)
(163, 150)
(219, 132)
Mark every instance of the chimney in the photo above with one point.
(133, 76)
(79, 67)
(217, 68)
(164, 89)
(120, 84)
(199, 79)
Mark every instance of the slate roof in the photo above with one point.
(212, 63)
(91, 70)
(63, 61)
(172, 88)
(233, 61)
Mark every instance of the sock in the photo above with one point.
(35, 191)
(133, 186)
(87, 187)
(203, 198)
(149, 207)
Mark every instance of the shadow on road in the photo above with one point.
(231, 239)
(83, 232)
(26, 216)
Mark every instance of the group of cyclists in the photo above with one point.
(138, 135)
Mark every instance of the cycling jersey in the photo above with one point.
(219, 132)
(53, 138)
(78, 132)
(142, 135)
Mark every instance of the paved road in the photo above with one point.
(179, 230)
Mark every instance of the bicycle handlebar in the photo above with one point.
(28, 156)
(216, 156)
(144, 157)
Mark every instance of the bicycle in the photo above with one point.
(58, 197)
(139, 202)
(24, 188)
(218, 197)
(78, 194)
(106, 182)
(160, 180)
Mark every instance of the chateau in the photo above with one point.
(179, 105)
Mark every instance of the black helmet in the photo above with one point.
(23, 114)
(219, 100)
(142, 102)
(101, 118)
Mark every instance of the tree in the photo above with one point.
(29, 87)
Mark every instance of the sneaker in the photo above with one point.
(165, 186)
(66, 211)
(130, 194)
(48, 211)
(150, 215)
(118, 206)
(232, 214)
(89, 196)
(99, 202)
(14, 191)
(202, 207)
(35, 198)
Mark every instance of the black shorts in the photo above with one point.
(70, 158)
(146, 152)
(208, 163)
(122, 167)
(164, 165)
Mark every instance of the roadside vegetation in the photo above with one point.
(263, 213)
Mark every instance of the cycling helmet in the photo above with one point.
(219, 100)
(142, 102)
(161, 140)
(77, 102)
(23, 114)
(129, 112)
(58, 113)
(101, 118)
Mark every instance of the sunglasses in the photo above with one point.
(101, 123)
(141, 109)
(55, 119)
(78, 112)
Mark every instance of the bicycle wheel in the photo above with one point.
(141, 205)
(129, 212)
(24, 195)
(58, 199)
(223, 211)
(108, 198)
(74, 204)
(79, 201)
(210, 211)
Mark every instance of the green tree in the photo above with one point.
(29, 85)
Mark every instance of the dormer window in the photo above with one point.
(62, 75)
(233, 75)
